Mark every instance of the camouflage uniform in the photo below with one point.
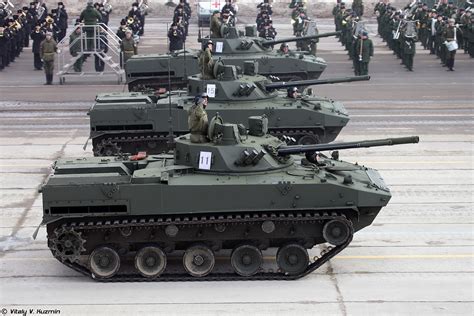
(198, 122)
(215, 26)
(206, 63)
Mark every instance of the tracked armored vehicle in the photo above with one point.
(151, 71)
(133, 122)
(166, 217)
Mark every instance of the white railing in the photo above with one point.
(97, 41)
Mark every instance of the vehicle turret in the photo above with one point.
(233, 84)
(241, 196)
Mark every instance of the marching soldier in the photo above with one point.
(206, 62)
(198, 121)
(48, 49)
(409, 50)
(365, 49)
(37, 36)
(128, 46)
(448, 38)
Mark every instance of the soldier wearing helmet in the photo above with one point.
(206, 62)
(292, 93)
(284, 49)
(197, 119)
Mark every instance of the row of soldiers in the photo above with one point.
(179, 27)
(441, 30)
(264, 21)
(354, 37)
(33, 21)
(303, 26)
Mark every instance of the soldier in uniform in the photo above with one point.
(292, 93)
(176, 38)
(449, 35)
(128, 46)
(409, 50)
(358, 7)
(284, 49)
(197, 120)
(470, 31)
(216, 24)
(75, 48)
(37, 36)
(206, 62)
(181, 16)
(364, 48)
(268, 31)
(465, 20)
(48, 48)
(90, 16)
(4, 38)
(122, 29)
(61, 20)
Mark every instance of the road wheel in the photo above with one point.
(150, 262)
(292, 259)
(198, 260)
(246, 260)
(104, 262)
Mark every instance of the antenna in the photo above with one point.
(185, 68)
(170, 119)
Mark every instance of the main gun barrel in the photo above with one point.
(299, 83)
(299, 149)
(297, 39)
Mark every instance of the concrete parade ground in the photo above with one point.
(417, 258)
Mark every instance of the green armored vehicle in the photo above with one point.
(133, 122)
(164, 217)
(151, 71)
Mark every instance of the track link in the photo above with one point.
(202, 221)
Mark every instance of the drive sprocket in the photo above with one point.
(67, 244)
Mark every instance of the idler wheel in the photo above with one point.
(336, 232)
(246, 260)
(150, 261)
(198, 260)
(292, 259)
(104, 262)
